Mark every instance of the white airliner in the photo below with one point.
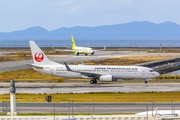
(94, 72)
(169, 113)
(80, 50)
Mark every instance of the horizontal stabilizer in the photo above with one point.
(32, 65)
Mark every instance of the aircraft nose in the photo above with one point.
(157, 74)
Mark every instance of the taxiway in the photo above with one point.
(18, 65)
(51, 88)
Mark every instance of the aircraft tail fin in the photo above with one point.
(73, 43)
(104, 48)
(39, 57)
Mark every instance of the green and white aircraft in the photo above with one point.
(80, 50)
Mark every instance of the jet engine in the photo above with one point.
(92, 53)
(107, 78)
(76, 53)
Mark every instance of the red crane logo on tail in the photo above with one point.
(39, 56)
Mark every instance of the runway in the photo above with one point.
(72, 58)
(51, 88)
(88, 108)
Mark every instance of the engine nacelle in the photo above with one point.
(76, 53)
(92, 53)
(107, 78)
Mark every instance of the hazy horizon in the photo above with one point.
(51, 15)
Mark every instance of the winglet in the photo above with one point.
(83, 63)
(67, 67)
(52, 47)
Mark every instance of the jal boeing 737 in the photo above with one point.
(95, 72)
(80, 50)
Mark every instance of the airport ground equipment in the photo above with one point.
(48, 98)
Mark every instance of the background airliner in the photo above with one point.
(80, 50)
(95, 72)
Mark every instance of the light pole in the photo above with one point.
(12, 98)
(160, 47)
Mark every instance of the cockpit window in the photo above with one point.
(151, 70)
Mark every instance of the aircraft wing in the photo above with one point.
(69, 50)
(93, 75)
(100, 49)
(65, 50)
(63, 47)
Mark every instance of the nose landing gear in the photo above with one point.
(93, 81)
(146, 81)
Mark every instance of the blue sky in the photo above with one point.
(54, 14)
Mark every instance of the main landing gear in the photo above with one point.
(146, 81)
(93, 81)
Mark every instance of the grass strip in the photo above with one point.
(98, 97)
(51, 52)
(124, 60)
(14, 58)
(164, 51)
(28, 74)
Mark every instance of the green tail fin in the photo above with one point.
(73, 43)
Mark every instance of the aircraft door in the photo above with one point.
(143, 72)
(51, 71)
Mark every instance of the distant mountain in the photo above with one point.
(131, 31)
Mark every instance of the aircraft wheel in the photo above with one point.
(95, 81)
(146, 82)
(86, 54)
(92, 82)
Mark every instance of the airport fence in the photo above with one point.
(88, 108)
